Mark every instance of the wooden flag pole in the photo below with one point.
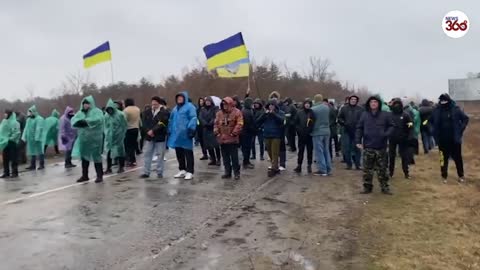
(111, 69)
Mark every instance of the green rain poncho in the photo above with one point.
(51, 128)
(9, 131)
(115, 130)
(88, 145)
(416, 122)
(34, 135)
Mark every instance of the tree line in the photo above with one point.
(264, 79)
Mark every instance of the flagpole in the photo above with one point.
(111, 69)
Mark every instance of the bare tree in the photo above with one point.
(30, 92)
(73, 83)
(319, 70)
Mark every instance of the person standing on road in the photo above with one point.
(449, 123)
(258, 111)
(333, 142)
(321, 136)
(132, 114)
(34, 137)
(155, 121)
(115, 131)
(248, 132)
(401, 135)
(182, 127)
(304, 123)
(207, 121)
(199, 135)
(348, 118)
(273, 121)
(290, 116)
(283, 148)
(426, 128)
(51, 131)
(228, 126)
(373, 130)
(9, 138)
(22, 147)
(415, 115)
(67, 136)
(89, 122)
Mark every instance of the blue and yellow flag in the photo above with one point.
(238, 69)
(225, 52)
(98, 55)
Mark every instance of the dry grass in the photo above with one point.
(426, 224)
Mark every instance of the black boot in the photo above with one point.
(309, 168)
(212, 163)
(99, 170)
(298, 169)
(33, 164)
(84, 178)
(5, 175)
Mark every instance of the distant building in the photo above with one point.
(466, 92)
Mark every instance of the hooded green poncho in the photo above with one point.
(9, 131)
(88, 145)
(51, 128)
(115, 130)
(34, 133)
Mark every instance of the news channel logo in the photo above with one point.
(455, 24)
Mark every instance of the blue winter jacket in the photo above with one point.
(460, 122)
(182, 124)
(273, 123)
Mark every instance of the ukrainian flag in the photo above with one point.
(238, 69)
(98, 55)
(226, 52)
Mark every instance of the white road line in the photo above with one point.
(34, 195)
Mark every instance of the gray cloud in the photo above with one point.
(393, 48)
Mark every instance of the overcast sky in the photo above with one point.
(392, 47)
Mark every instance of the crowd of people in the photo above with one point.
(364, 137)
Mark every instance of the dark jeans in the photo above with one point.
(291, 133)
(121, 161)
(305, 142)
(10, 158)
(450, 150)
(283, 153)
(404, 155)
(427, 141)
(230, 158)
(199, 136)
(351, 151)
(215, 154)
(246, 143)
(68, 157)
(334, 142)
(185, 159)
(261, 144)
(131, 144)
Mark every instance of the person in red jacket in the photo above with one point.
(228, 125)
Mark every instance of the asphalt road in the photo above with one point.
(47, 221)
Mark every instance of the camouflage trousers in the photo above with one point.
(375, 160)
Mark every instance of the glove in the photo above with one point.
(81, 124)
(191, 133)
(64, 140)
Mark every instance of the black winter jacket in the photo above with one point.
(157, 123)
